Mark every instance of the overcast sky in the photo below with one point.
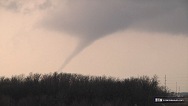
(120, 38)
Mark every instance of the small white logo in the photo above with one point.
(158, 100)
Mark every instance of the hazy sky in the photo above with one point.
(120, 38)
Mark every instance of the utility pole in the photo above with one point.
(176, 89)
(165, 83)
(179, 91)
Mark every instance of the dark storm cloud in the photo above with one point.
(93, 19)
(90, 20)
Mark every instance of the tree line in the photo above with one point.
(65, 89)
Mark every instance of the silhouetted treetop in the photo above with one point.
(64, 89)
